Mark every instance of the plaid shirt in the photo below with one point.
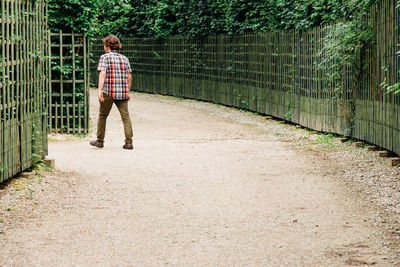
(117, 69)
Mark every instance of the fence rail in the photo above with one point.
(277, 74)
(23, 85)
(69, 108)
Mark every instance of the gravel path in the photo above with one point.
(204, 186)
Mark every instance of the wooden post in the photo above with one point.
(73, 84)
(68, 118)
(61, 82)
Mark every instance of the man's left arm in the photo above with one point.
(129, 83)
(129, 70)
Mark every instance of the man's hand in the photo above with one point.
(101, 98)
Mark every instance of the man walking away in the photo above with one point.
(115, 81)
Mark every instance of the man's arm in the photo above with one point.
(102, 78)
(129, 82)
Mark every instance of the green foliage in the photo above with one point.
(73, 15)
(272, 15)
(188, 17)
(395, 88)
(115, 16)
(203, 17)
(343, 52)
(168, 17)
(150, 18)
(327, 139)
(158, 18)
(250, 16)
(65, 70)
(346, 41)
(343, 46)
(288, 114)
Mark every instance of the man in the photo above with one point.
(115, 81)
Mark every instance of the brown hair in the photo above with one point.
(113, 42)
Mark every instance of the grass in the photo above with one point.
(38, 167)
(31, 191)
(12, 208)
(80, 136)
(24, 185)
(318, 142)
(326, 139)
(310, 131)
(60, 137)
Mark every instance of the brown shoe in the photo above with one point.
(97, 143)
(127, 146)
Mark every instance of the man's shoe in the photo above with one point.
(97, 143)
(128, 146)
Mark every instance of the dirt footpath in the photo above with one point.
(202, 187)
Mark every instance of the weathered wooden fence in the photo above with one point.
(23, 85)
(277, 74)
(69, 108)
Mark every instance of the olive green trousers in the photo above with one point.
(105, 108)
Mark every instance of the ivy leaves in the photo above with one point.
(151, 18)
(158, 18)
(345, 41)
(73, 15)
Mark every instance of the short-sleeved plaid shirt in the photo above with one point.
(117, 69)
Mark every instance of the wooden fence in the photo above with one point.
(277, 74)
(69, 108)
(23, 85)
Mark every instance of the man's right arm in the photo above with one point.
(102, 78)
(102, 69)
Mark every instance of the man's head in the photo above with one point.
(112, 42)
